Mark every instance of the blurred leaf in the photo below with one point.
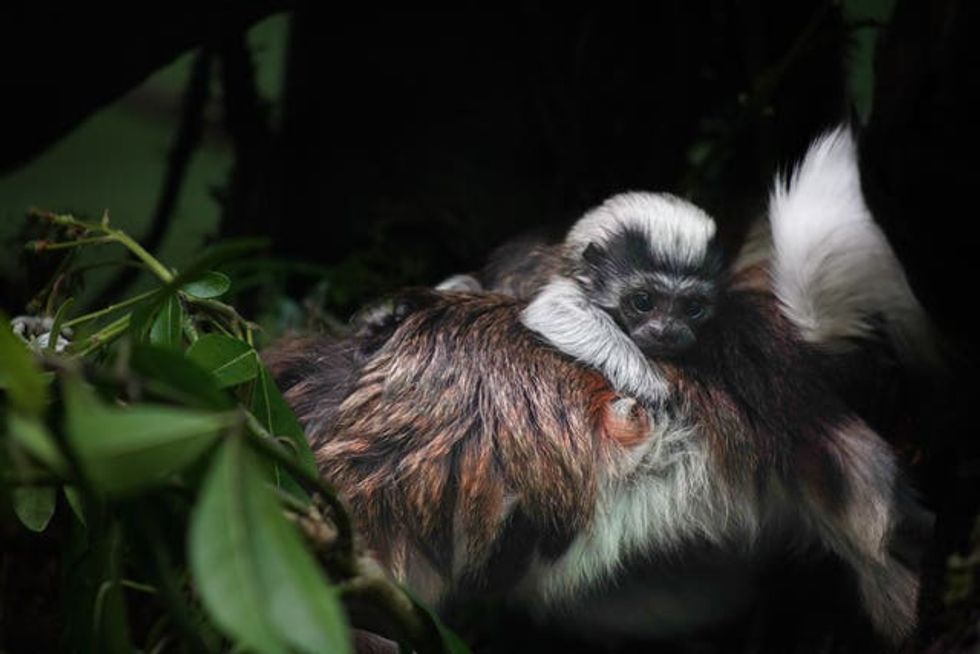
(59, 318)
(209, 285)
(33, 435)
(451, 642)
(864, 19)
(75, 502)
(110, 626)
(123, 450)
(170, 374)
(254, 574)
(230, 360)
(19, 374)
(143, 316)
(166, 328)
(271, 410)
(34, 505)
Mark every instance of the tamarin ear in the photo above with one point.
(594, 255)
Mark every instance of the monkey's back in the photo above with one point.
(461, 428)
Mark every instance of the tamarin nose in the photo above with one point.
(677, 337)
(664, 338)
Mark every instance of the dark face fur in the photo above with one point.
(660, 303)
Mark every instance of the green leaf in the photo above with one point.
(19, 374)
(34, 505)
(75, 502)
(166, 328)
(225, 251)
(124, 450)
(255, 577)
(451, 642)
(109, 622)
(862, 40)
(271, 410)
(171, 375)
(94, 611)
(144, 315)
(230, 360)
(59, 318)
(33, 435)
(209, 285)
(211, 257)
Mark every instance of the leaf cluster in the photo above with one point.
(182, 482)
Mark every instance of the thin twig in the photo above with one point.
(313, 483)
(136, 299)
(105, 335)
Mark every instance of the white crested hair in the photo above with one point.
(563, 314)
(674, 228)
(832, 267)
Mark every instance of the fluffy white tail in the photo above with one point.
(832, 267)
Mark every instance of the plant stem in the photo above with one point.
(225, 311)
(289, 501)
(189, 330)
(267, 446)
(155, 266)
(103, 336)
(109, 235)
(57, 325)
(399, 617)
(137, 586)
(44, 246)
(109, 309)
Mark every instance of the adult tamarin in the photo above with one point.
(639, 292)
(424, 425)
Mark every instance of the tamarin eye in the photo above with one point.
(641, 301)
(695, 309)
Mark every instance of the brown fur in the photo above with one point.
(521, 267)
(773, 420)
(460, 420)
(758, 394)
(465, 446)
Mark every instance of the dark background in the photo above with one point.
(396, 147)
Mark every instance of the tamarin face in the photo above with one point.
(651, 261)
(660, 302)
(642, 277)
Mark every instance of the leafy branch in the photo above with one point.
(177, 422)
